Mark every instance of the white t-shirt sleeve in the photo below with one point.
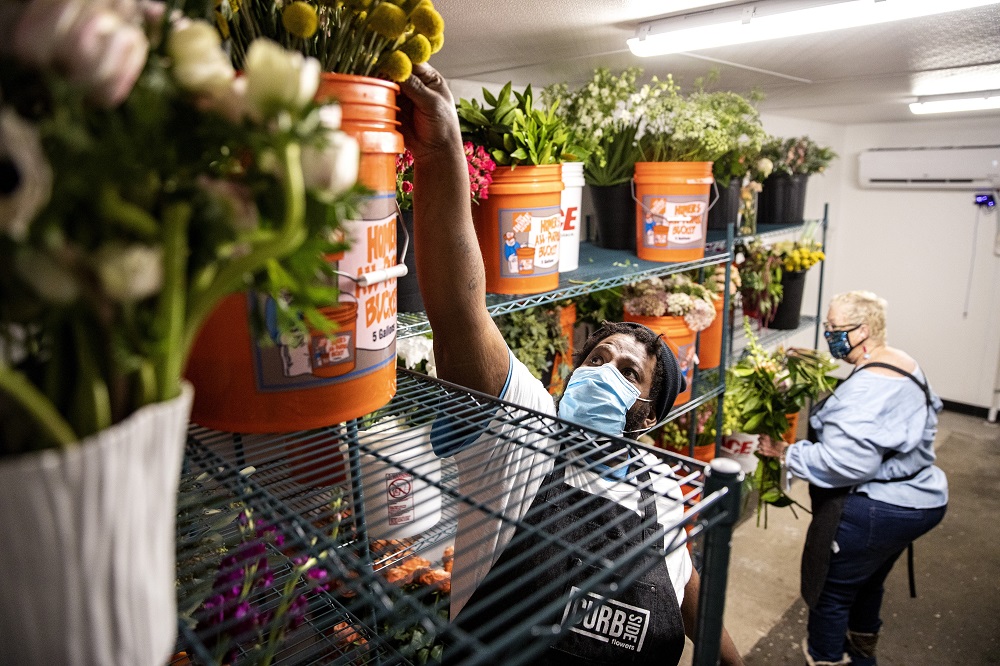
(502, 470)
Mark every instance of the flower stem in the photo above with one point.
(170, 310)
(41, 409)
(232, 277)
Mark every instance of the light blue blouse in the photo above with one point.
(865, 418)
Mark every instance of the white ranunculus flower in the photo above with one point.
(130, 272)
(279, 79)
(765, 167)
(330, 116)
(416, 350)
(48, 278)
(333, 168)
(25, 175)
(199, 63)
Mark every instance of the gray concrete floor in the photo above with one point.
(955, 618)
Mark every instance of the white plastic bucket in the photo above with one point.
(740, 446)
(572, 195)
(402, 495)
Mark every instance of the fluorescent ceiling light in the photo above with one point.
(772, 19)
(975, 101)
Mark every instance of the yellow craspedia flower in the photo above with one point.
(427, 21)
(299, 19)
(396, 66)
(417, 49)
(359, 5)
(436, 42)
(388, 20)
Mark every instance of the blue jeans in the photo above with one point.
(871, 536)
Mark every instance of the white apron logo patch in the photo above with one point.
(607, 620)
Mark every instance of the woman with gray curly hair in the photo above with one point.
(872, 480)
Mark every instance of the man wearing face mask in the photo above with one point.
(625, 380)
(872, 481)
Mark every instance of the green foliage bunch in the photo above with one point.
(698, 128)
(596, 307)
(675, 434)
(766, 386)
(797, 155)
(740, 118)
(605, 116)
(535, 336)
(760, 278)
(514, 131)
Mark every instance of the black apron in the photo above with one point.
(637, 623)
(828, 506)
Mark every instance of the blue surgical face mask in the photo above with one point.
(840, 345)
(598, 398)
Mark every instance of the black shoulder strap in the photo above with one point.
(923, 385)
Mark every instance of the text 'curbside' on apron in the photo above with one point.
(637, 623)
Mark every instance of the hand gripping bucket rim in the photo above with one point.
(679, 184)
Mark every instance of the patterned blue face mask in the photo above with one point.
(599, 398)
(840, 345)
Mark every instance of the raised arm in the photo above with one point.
(468, 348)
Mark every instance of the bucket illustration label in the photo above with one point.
(334, 355)
(674, 222)
(365, 320)
(529, 241)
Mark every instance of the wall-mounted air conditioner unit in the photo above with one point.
(950, 168)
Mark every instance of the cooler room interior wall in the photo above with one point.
(915, 248)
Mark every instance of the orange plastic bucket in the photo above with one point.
(244, 386)
(710, 345)
(671, 209)
(681, 340)
(567, 321)
(519, 229)
(791, 435)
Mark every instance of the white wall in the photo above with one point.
(914, 248)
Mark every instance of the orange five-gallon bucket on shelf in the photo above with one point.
(242, 385)
(519, 229)
(671, 209)
(710, 347)
(681, 340)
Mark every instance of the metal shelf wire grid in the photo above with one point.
(768, 337)
(276, 549)
(599, 269)
(716, 238)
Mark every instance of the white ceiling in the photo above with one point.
(849, 76)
